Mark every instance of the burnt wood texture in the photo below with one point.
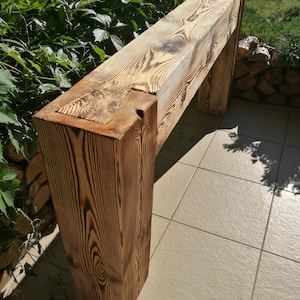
(100, 138)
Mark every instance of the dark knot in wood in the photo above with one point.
(173, 46)
(70, 259)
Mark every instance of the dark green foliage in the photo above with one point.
(47, 45)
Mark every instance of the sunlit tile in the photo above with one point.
(190, 264)
(169, 189)
(248, 158)
(227, 206)
(283, 234)
(278, 278)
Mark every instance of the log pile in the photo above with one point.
(38, 205)
(259, 78)
(38, 196)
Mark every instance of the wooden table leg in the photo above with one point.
(102, 190)
(214, 92)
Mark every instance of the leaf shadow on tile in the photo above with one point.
(289, 172)
(261, 153)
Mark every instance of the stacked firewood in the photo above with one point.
(38, 205)
(259, 77)
(38, 195)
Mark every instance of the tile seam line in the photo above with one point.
(236, 177)
(286, 130)
(183, 194)
(281, 256)
(179, 162)
(163, 234)
(192, 177)
(271, 206)
(262, 247)
(216, 235)
(208, 146)
(291, 146)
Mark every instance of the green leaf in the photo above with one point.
(135, 25)
(100, 35)
(3, 168)
(87, 11)
(2, 205)
(48, 88)
(7, 117)
(6, 81)
(151, 5)
(117, 42)
(17, 57)
(34, 65)
(4, 48)
(14, 141)
(119, 25)
(66, 38)
(143, 14)
(8, 198)
(40, 23)
(60, 78)
(2, 159)
(10, 175)
(100, 52)
(16, 184)
(103, 19)
(4, 119)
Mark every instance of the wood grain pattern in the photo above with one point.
(94, 106)
(102, 190)
(99, 140)
(215, 90)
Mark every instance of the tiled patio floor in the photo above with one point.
(226, 216)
